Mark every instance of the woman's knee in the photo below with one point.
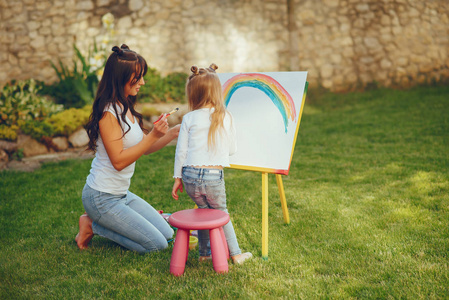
(169, 233)
(155, 245)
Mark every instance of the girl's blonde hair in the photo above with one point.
(203, 89)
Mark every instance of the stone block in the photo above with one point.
(85, 5)
(79, 138)
(8, 146)
(426, 68)
(3, 156)
(362, 7)
(103, 2)
(30, 146)
(61, 143)
(402, 61)
(326, 71)
(372, 42)
(135, 5)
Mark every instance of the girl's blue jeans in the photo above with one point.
(127, 220)
(206, 187)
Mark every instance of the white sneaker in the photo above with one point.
(205, 258)
(240, 258)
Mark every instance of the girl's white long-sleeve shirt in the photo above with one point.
(192, 148)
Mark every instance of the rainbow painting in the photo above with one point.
(266, 110)
(272, 88)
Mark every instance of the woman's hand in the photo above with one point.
(177, 186)
(160, 128)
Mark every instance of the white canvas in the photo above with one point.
(264, 139)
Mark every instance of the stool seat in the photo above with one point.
(199, 219)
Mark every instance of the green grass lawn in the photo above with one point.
(368, 201)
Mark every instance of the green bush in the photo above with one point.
(176, 86)
(36, 129)
(8, 133)
(66, 122)
(19, 100)
(63, 123)
(163, 89)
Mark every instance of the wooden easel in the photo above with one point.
(265, 210)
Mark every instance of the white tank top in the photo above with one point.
(103, 176)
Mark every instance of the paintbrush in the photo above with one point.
(166, 115)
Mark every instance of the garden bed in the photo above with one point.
(27, 154)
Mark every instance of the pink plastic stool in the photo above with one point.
(199, 219)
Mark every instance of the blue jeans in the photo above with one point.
(206, 187)
(127, 220)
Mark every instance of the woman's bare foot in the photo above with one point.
(85, 234)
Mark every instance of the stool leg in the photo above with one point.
(223, 237)
(180, 252)
(218, 252)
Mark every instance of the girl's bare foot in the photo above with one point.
(85, 234)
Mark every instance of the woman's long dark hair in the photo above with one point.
(121, 65)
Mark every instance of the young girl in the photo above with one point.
(206, 140)
(117, 138)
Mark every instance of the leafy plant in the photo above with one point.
(36, 129)
(76, 86)
(18, 155)
(8, 133)
(163, 89)
(19, 100)
(66, 122)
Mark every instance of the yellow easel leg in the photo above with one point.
(265, 216)
(283, 200)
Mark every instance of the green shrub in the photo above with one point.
(18, 154)
(176, 86)
(76, 86)
(163, 89)
(19, 100)
(36, 129)
(8, 133)
(66, 122)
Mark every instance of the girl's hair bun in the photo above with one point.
(213, 67)
(124, 46)
(117, 50)
(194, 70)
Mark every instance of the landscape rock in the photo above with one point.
(61, 143)
(8, 146)
(3, 156)
(30, 146)
(79, 138)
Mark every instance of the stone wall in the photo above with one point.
(343, 44)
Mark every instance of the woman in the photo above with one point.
(117, 137)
